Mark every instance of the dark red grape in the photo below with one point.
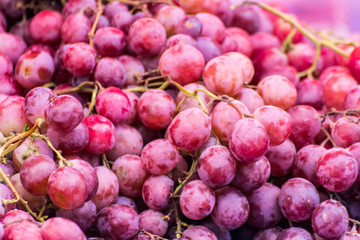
(156, 192)
(61, 228)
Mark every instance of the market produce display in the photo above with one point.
(179, 120)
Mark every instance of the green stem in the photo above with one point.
(75, 89)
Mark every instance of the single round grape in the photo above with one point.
(231, 208)
(250, 98)
(153, 222)
(288, 72)
(183, 63)
(67, 188)
(128, 141)
(268, 234)
(126, 201)
(111, 226)
(133, 67)
(146, 37)
(190, 25)
(192, 102)
(198, 233)
(156, 192)
(247, 17)
(101, 134)
(309, 92)
(223, 76)
(22, 230)
(35, 172)
(10, 86)
(36, 101)
(346, 131)
(224, 116)
(110, 42)
(15, 216)
(190, 129)
(84, 216)
(71, 7)
(113, 104)
(130, 174)
(108, 189)
(294, 233)
(197, 200)
(45, 26)
(75, 28)
(5, 194)
(331, 163)
(156, 109)
(265, 211)
(281, 158)
(62, 228)
(110, 72)
(241, 40)
(112, 8)
(11, 46)
(330, 219)
(80, 59)
(134, 99)
(276, 121)
(305, 163)
(245, 63)
(332, 71)
(354, 149)
(170, 17)
(64, 113)
(302, 57)
(352, 99)
(123, 20)
(248, 140)
(250, 176)
(212, 27)
(209, 48)
(179, 39)
(12, 115)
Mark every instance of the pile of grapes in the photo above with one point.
(187, 120)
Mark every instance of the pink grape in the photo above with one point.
(346, 131)
(250, 98)
(283, 28)
(180, 39)
(22, 230)
(45, 26)
(11, 46)
(6, 68)
(198, 233)
(268, 234)
(212, 27)
(16, 215)
(169, 17)
(133, 67)
(245, 62)
(75, 28)
(190, 25)
(309, 92)
(263, 40)
(10, 86)
(192, 102)
(281, 158)
(241, 39)
(302, 57)
(80, 59)
(109, 72)
(61, 228)
(352, 99)
(288, 72)
(153, 222)
(294, 233)
(156, 192)
(110, 42)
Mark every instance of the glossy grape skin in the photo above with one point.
(281, 158)
(61, 228)
(231, 208)
(101, 134)
(64, 113)
(353, 64)
(12, 115)
(183, 63)
(110, 72)
(265, 211)
(245, 62)
(212, 27)
(305, 163)
(156, 109)
(45, 26)
(192, 102)
(190, 25)
(128, 141)
(216, 167)
(198, 233)
(132, 67)
(346, 131)
(250, 98)
(130, 174)
(283, 28)
(36, 101)
(294, 233)
(277, 91)
(248, 141)
(302, 57)
(88, 172)
(35, 172)
(223, 76)
(80, 59)
(309, 92)
(330, 219)
(108, 189)
(263, 40)
(251, 176)
(352, 99)
(29, 148)
(123, 20)
(15, 215)
(169, 17)
(22, 230)
(146, 37)
(197, 200)
(152, 221)
(75, 28)
(189, 129)
(241, 39)
(67, 188)
(333, 162)
(288, 72)
(84, 216)
(156, 192)
(10, 86)
(6, 68)
(11, 46)
(126, 201)
(113, 104)
(277, 122)
(110, 42)
(5, 194)
(224, 116)
(354, 149)
(268, 234)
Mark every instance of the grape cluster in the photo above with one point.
(179, 120)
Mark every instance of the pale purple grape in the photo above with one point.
(231, 208)
(250, 98)
(180, 39)
(265, 211)
(281, 158)
(108, 189)
(330, 219)
(112, 8)
(197, 200)
(128, 140)
(198, 233)
(8, 168)
(156, 192)
(221, 233)
(250, 176)
(268, 234)
(5, 194)
(16, 215)
(152, 221)
(62, 228)
(123, 20)
(294, 233)
(248, 140)
(131, 175)
(298, 198)
(84, 216)
(133, 67)
(126, 201)
(169, 17)
(75, 28)
(216, 167)
(209, 48)
(110, 72)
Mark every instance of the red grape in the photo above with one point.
(212, 27)
(282, 29)
(302, 57)
(15, 216)
(110, 42)
(294, 233)
(198, 233)
(75, 28)
(6, 68)
(22, 230)
(169, 17)
(352, 99)
(156, 192)
(110, 72)
(45, 26)
(346, 131)
(190, 25)
(250, 98)
(192, 102)
(9, 86)
(11, 46)
(133, 68)
(60, 228)
(309, 92)
(80, 59)
(246, 64)
(153, 222)
(281, 158)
